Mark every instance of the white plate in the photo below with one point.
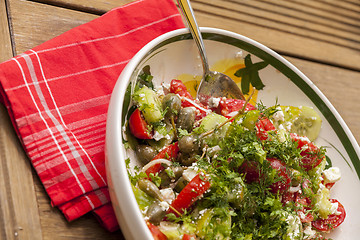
(175, 53)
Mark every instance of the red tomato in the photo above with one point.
(251, 170)
(178, 87)
(189, 237)
(310, 153)
(170, 153)
(155, 231)
(333, 220)
(283, 184)
(262, 127)
(191, 192)
(138, 126)
(229, 105)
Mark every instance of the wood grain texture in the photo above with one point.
(19, 216)
(5, 38)
(41, 22)
(31, 28)
(321, 38)
(281, 28)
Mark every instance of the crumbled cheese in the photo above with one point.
(279, 115)
(214, 102)
(164, 205)
(189, 174)
(332, 175)
(168, 195)
(334, 208)
(309, 232)
(157, 136)
(294, 223)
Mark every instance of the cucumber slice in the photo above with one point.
(149, 104)
(308, 123)
(304, 121)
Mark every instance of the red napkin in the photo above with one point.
(57, 95)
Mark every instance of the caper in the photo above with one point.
(169, 175)
(155, 213)
(149, 188)
(145, 153)
(171, 103)
(186, 118)
(188, 144)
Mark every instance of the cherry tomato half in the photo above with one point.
(229, 105)
(333, 220)
(138, 126)
(283, 184)
(251, 170)
(310, 153)
(263, 125)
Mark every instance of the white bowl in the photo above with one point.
(175, 53)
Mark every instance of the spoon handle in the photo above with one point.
(195, 32)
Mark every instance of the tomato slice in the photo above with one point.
(189, 237)
(263, 126)
(228, 106)
(191, 192)
(333, 220)
(310, 153)
(138, 126)
(155, 231)
(170, 153)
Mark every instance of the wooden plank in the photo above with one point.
(280, 36)
(33, 25)
(5, 40)
(325, 31)
(18, 205)
(87, 6)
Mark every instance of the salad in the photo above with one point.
(226, 168)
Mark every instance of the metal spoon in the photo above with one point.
(213, 84)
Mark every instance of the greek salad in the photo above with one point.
(228, 169)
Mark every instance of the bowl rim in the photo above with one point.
(119, 184)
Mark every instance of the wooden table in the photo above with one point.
(322, 38)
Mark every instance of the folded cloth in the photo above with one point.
(57, 95)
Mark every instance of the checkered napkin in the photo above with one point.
(57, 95)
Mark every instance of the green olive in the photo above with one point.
(145, 153)
(155, 213)
(188, 144)
(180, 184)
(149, 188)
(186, 118)
(171, 103)
(187, 159)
